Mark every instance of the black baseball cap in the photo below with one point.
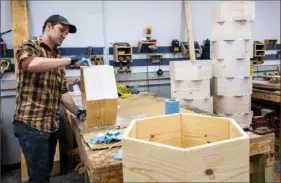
(62, 20)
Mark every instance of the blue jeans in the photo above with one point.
(39, 149)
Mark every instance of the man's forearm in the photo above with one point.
(41, 64)
(69, 103)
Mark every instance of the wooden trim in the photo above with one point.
(20, 23)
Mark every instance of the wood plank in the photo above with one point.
(266, 91)
(154, 126)
(266, 85)
(188, 21)
(20, 23)
(202, 130)
(266, 96)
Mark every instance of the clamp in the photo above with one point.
(4, 65)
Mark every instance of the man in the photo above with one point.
(41, 88)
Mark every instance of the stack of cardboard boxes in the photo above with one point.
(231, 50)
(190, 83)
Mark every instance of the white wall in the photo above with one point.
(267, 24)
(86, 15)
(126, 21)
(100, 23)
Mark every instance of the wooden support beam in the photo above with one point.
(20, 23)
(189, 30)
(20, 32)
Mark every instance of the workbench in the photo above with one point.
(100, 165)
(267, 91)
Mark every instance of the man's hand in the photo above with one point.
(78, 60)
(81, 115)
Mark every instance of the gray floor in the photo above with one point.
(15, 177)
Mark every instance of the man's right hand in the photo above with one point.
(78, 60)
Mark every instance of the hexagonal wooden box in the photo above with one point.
(185, 148)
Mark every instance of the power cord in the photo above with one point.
(147, 79)
(1, 97)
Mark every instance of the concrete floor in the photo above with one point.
(14, 176)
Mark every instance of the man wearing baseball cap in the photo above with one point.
(41, 87)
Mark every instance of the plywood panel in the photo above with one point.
(203, 130)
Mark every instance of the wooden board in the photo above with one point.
(99, 95)
(266, 95)
(266, 85)
(188, 20)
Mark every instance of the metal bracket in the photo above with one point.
(155, 58)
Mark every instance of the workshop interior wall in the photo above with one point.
(100, 23)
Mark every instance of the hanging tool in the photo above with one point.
(175, 46)
(86, 62)
(3, 46)
(4, 65)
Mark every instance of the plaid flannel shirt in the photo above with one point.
(38, 96)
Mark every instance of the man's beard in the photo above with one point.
(57, 43)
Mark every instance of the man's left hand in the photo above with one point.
(81, 115)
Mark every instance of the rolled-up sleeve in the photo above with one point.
(26, 49)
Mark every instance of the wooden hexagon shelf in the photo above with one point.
(185, 148)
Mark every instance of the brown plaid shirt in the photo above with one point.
(38, 95)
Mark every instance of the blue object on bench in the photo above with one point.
(118, 155)
(109, 136)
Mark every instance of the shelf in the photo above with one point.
(126, 54)
(258, 49)
(270, 42)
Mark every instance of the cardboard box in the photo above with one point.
(99, 95)
(204, 104)
(187, 70)
(244, 119)
(238, 48)
(236, 86)
(234, 11)
(231, 30)
(231, 67)
(232, 104)
(190, 89)
(185, 148)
